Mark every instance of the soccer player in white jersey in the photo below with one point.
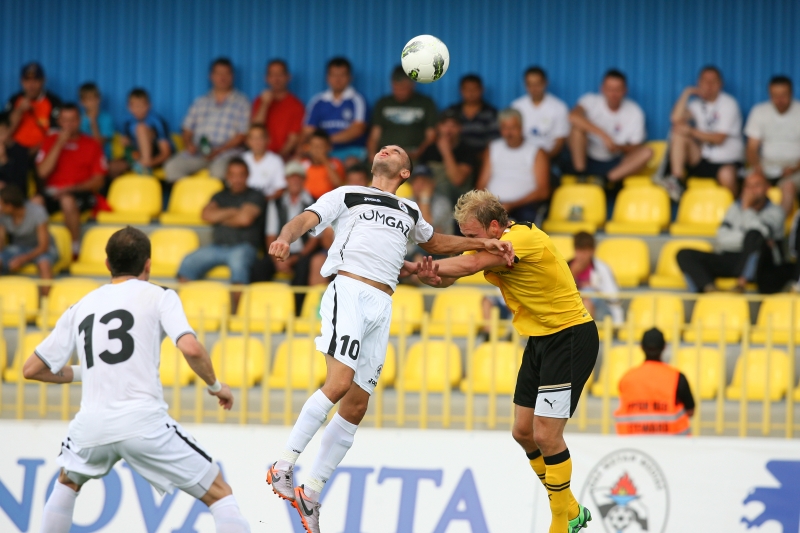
(117, 331)
(372, 227)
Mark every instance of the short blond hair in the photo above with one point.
(483, 206)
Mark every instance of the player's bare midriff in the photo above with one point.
(372, 283)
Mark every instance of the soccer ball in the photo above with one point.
(425, 58)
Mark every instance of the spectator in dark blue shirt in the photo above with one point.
(478, 118)
(145, 136)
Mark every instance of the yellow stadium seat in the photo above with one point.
(701, 183)
(432, 355)
(505, 357)
(565, 245)
(663, 311)
(58, 217)
(701, 211)
(463, 305)
(616, 364)
(583, 202)
(712, 370)
(308, 322)
(92, 257)
(64, 293)
(659, 151)
(754, 363)
(778, 309)
(637, 181)
(3, 356)
(405, 191)
(307, 364)
(117, 148)
(642, 210)
(775, 195)
(668, 274)
(173, 366)
(19, 295)
(63, 241)
(568, 179)
(629, 260)
(177, 142)
(219, 272)
(188, 198)
(13, 373)
(207, 298)
(408, 305)
(168, 248)
(258, 298)
(238, 362)
(389, 370)
(134, 200)
(729, 284)
(475, 279)
(714, 309)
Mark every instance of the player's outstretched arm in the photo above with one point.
(199, 361)
(428, 273)
(293, 230)
(450, 244)
(462, 265)
(34, 369)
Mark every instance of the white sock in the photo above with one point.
(57, 517)
(312, 416)
(336, 440)
(227, 516)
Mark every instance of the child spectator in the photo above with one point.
(325, 173)
(593, 277)
(145, 136)
(94, 122)
(266, 168)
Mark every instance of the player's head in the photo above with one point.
(392, 162)
(653, 344)
(481, 215)
(614, 88)
(780, 92)
(128, 254)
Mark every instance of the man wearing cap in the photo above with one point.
(32, 111)
(654, 398)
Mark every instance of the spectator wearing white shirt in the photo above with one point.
(706, 135)
(773, 139)
(608, 133)
(517, 171)
(266, 168)
(593, 278)
(545, 118)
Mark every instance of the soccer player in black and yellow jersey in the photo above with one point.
(562, 339)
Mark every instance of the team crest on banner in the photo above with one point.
(628, 492)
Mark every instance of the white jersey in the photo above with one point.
(116, 331)
(720, 116)
(372, 229)
(545, 123)
(624, 126)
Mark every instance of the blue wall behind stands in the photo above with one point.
(166, 45)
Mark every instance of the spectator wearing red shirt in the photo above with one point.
(279, 110)
(33, 111)
(324, 173)
(73, 168)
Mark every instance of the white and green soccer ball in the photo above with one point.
(425, 58)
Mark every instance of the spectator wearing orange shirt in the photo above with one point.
(32, 111)
(325, 173)
(279, 110)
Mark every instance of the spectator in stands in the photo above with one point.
(145, 136)
(95, 122)
(341, 112)
(279, 110)
(214, 129)
(517, 171)
(706, 135)
(73, 168)
(265, 167)
(773, 139)
(607, 136)
(748, 244)
(237, 216)
(14, 159)
(594, 277)
(433, 206)
(358, 175)
(405, 118)
(450, 159)
(24, 224)
(478, 118)
(324, 172)
(654, 398)
(545, 118)
(33, 111)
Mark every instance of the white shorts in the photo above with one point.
(355, 328)
(168, 458)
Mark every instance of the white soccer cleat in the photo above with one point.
(309, 510)
(282, 481)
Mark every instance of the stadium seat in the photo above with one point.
(581, 201)
(308, 368)
(207, 298)
(63, 241)
(19, 295)
(405, 191)
(64, 293)
(219, 272)
(308, 321)
(13, 373)
(389, 371)
(777, 308)
(659, 151)
(629, 260)
(188, 198)
(92, 257)
(463, 305)
(565, 245)
(177, 141)
(432, 354)
(642, 210)
(712, 370)
(701, 211)
(58, 217)
(258, 298)
(134, 200)
(408, 305)
(729, 284)
(173, 365)
(238, 362)
(169, 247)
(616, 364)
(505, 357)
(663, 311)
(713, 310)
(701, 183)
(3, 356)
(754, 363)
(637, 181)
(117, 148)
(668, 274)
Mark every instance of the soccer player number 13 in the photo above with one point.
(120, 333)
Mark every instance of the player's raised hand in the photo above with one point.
(502, 248)
(279, 249)
(409, 268)
(225, 397)
(428, 272)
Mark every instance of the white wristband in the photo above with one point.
(76, 373)
(216, 387)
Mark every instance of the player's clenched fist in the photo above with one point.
(501, 248)
(225, 397)
(279, 249)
